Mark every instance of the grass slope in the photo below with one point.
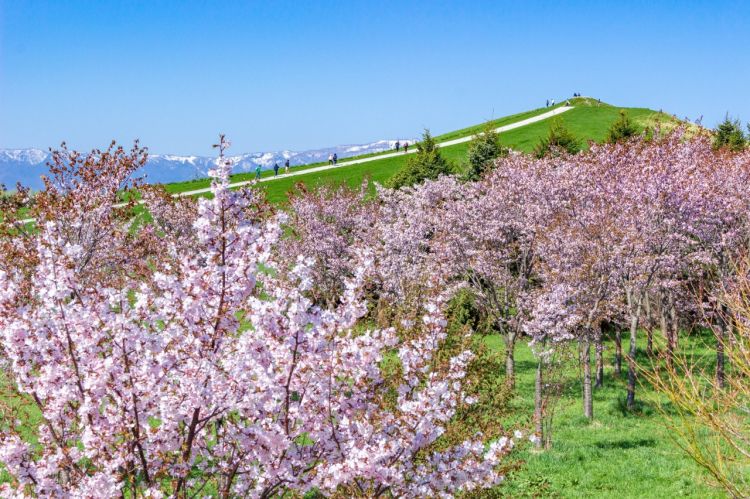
(588, 120)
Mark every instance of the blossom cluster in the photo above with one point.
(207, 364)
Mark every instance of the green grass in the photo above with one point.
(589, 120)
(619, 454)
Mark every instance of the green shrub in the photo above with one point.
(427, 163)
(622, 129)
(559, 139)
(483, 149)
(729, 135)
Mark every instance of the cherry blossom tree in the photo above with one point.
(212, 375)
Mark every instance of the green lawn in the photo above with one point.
(618, 455)
(589, 120)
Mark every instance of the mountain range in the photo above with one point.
(28, 165)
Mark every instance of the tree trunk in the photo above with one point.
(721, 336)
(631, 361)
(599, 359)
(649, 329)
(538, 405)
(588, 402)
(618, 353)
(666, 330)
(674, 333)
(510, 360)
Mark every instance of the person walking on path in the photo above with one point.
(275, 169)
(398, 144)
(257, 172)
(547, 105)
(406, 147)
(330, 159)
(335, 158)
(286, 166)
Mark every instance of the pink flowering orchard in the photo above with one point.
(211, 374)
(226, 348)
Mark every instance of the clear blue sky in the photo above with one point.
(299, 74)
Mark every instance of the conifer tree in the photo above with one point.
(622, 129)
(729, 135)
(484, 148)
(559, 139)
(427, 163)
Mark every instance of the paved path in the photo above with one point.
(412, 150)
(461, 140)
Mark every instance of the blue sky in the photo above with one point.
(299, 74)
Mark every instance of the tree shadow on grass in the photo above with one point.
(640, 407)
(626, 444)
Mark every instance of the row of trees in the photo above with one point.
(630, 236)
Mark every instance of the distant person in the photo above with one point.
(335, 158)
(398, 145)
(406, 147)
(330, 159)
(275, 169)
(286, 166)
(547, 105)
(552, 103)
(257, 172)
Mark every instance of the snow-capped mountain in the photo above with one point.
(28, 165)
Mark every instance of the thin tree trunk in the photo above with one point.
(674, 333)
(510, 360)
(666, 330)
(538, 407)
(631, 361)
(588, 402)
(618, 353)
(721, 338)
(649, 330)
(599, 359)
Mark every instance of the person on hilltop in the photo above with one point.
(275, 169)
(398, 145)
(406, 147)
(330, 159)
(547, 105)
(335, 158)
(286, 166)
(257, 172)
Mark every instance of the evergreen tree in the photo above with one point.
(559, 139)
(483, 149)
(622, 129)
(427, 163)
(729, 135)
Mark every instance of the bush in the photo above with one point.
(622, 129)
(729, 135)
(559, 139)
(428, 163)
(484, 148)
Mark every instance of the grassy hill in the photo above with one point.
(589, 120)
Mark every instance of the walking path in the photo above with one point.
(342, 164)
(412, 150)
